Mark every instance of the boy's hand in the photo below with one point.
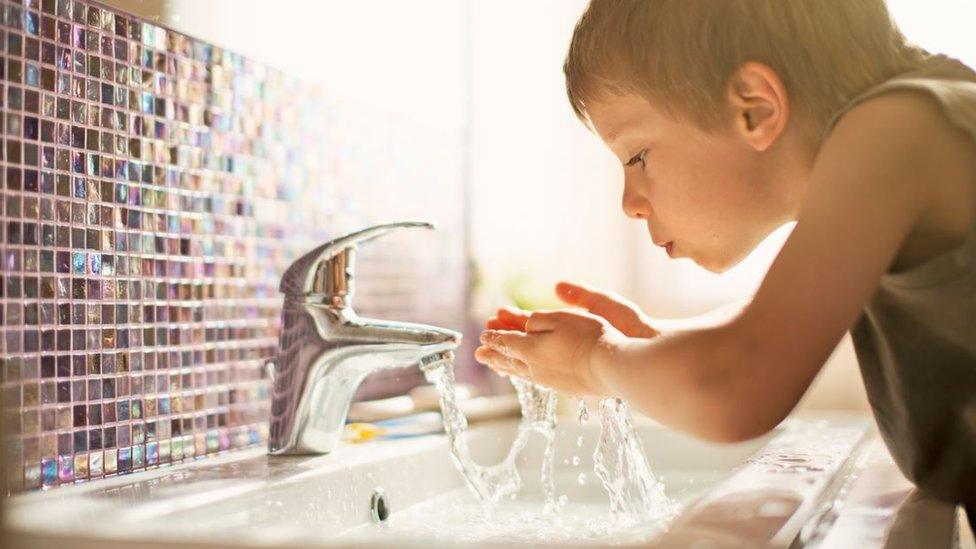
(558, 349)
(564, 358)
(620, 313)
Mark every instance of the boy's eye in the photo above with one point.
(639, 157)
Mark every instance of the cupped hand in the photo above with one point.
(561, 349)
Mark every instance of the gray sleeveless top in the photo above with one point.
(916, 339)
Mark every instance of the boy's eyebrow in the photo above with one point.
(614, 133)
(616, 137)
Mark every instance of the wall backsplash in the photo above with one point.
(154, 189)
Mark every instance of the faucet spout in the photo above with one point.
(406, 343)
(325, 353)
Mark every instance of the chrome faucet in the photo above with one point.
(326, 350)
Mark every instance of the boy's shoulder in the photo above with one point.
(935, 156)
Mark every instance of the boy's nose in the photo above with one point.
(635, 206)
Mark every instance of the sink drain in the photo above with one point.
(379, 507)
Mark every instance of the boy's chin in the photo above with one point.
(712, 266)
(719, 264)
(713, 261)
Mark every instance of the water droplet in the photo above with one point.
(579, 441)
(576, 461)
(581, 479)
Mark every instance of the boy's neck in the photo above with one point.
(800, 146)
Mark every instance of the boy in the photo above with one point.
(731, 118)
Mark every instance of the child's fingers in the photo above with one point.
(483, 355)
(545, 321)
(508, 319)
(515, 317)
(511, 343)
(495, 323)
(500, 362)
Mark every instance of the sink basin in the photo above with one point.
(772, 490)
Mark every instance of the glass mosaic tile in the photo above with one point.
(154, 188)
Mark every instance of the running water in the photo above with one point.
(492, 483)
(619, 462)
(539, 414)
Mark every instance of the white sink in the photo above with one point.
(770, 490)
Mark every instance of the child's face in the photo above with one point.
(705, 195)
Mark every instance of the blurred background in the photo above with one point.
(543, 192)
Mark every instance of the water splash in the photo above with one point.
(539, 415)
(635, 494)
(620, 464)
(584, 414)
(492, 483)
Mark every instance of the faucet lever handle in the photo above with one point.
(328, 269)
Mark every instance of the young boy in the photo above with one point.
(731, 118)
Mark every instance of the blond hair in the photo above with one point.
(681, 54)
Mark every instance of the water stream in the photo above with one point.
(619, 462)
(494, 482)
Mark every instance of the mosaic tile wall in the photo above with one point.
(154, 189)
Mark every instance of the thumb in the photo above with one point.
(624, 315)
(570, 293)
(594, 301)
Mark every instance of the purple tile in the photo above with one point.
(66, 469)
(125, 460)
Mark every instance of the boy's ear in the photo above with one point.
(759, 103)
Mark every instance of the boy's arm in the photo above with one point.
(738, 380)
(714, 317)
